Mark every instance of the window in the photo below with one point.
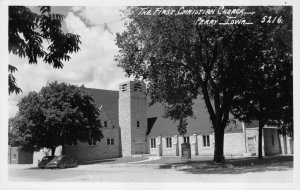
(206, 142)
(72, 143)
(110, 141)
(153, 143)
(105, 123)
(92, 142)
(14, 157)
(272, 140)
(169, 142)
(186, 139)
(138, 124)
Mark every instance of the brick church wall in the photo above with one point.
(102, 150)
(85, 152)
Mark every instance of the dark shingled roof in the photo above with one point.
(157, 124)
(109, 99)
(200, 124)
(253, 124)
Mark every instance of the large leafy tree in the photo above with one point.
(27, 33)
(14, 137)
(182, 59)
(59, 114)
(268, 96)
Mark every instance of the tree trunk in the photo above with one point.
(260, 131)
(219, 145)
(53, 151)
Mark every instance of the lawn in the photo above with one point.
(233, 166)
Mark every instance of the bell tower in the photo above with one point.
(133, 117)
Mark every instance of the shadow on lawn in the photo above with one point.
(80, 163)
(234, 166)
(96, 162)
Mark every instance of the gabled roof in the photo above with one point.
(200, 124)
(109, 99)
(157, 124)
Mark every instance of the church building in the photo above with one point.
(132, 127)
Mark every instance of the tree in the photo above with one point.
(59, 114)
(27, 33)
(14, 137)
(268, 94)
(182, 59)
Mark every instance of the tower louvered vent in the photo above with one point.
(124, 87)
(137, 87)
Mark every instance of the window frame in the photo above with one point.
(92, 142)
(206, 141)
(110, 141)
(168, 142)
(186, 139)
(152, 143)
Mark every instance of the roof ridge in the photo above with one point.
(101, 89)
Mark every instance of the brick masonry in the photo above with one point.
(102, 150)
(133, 118)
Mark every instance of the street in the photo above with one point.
(143, 171)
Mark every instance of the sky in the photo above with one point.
(93, 66)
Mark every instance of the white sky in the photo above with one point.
(93, 66)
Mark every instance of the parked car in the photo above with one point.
(42, 164)
(63, 161)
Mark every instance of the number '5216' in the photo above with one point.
(272, 20)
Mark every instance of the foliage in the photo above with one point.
(59, 114)
(268, 96)
(182, 60)
(14, 137)
(27, 33)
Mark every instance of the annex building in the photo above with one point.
(131, 127)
